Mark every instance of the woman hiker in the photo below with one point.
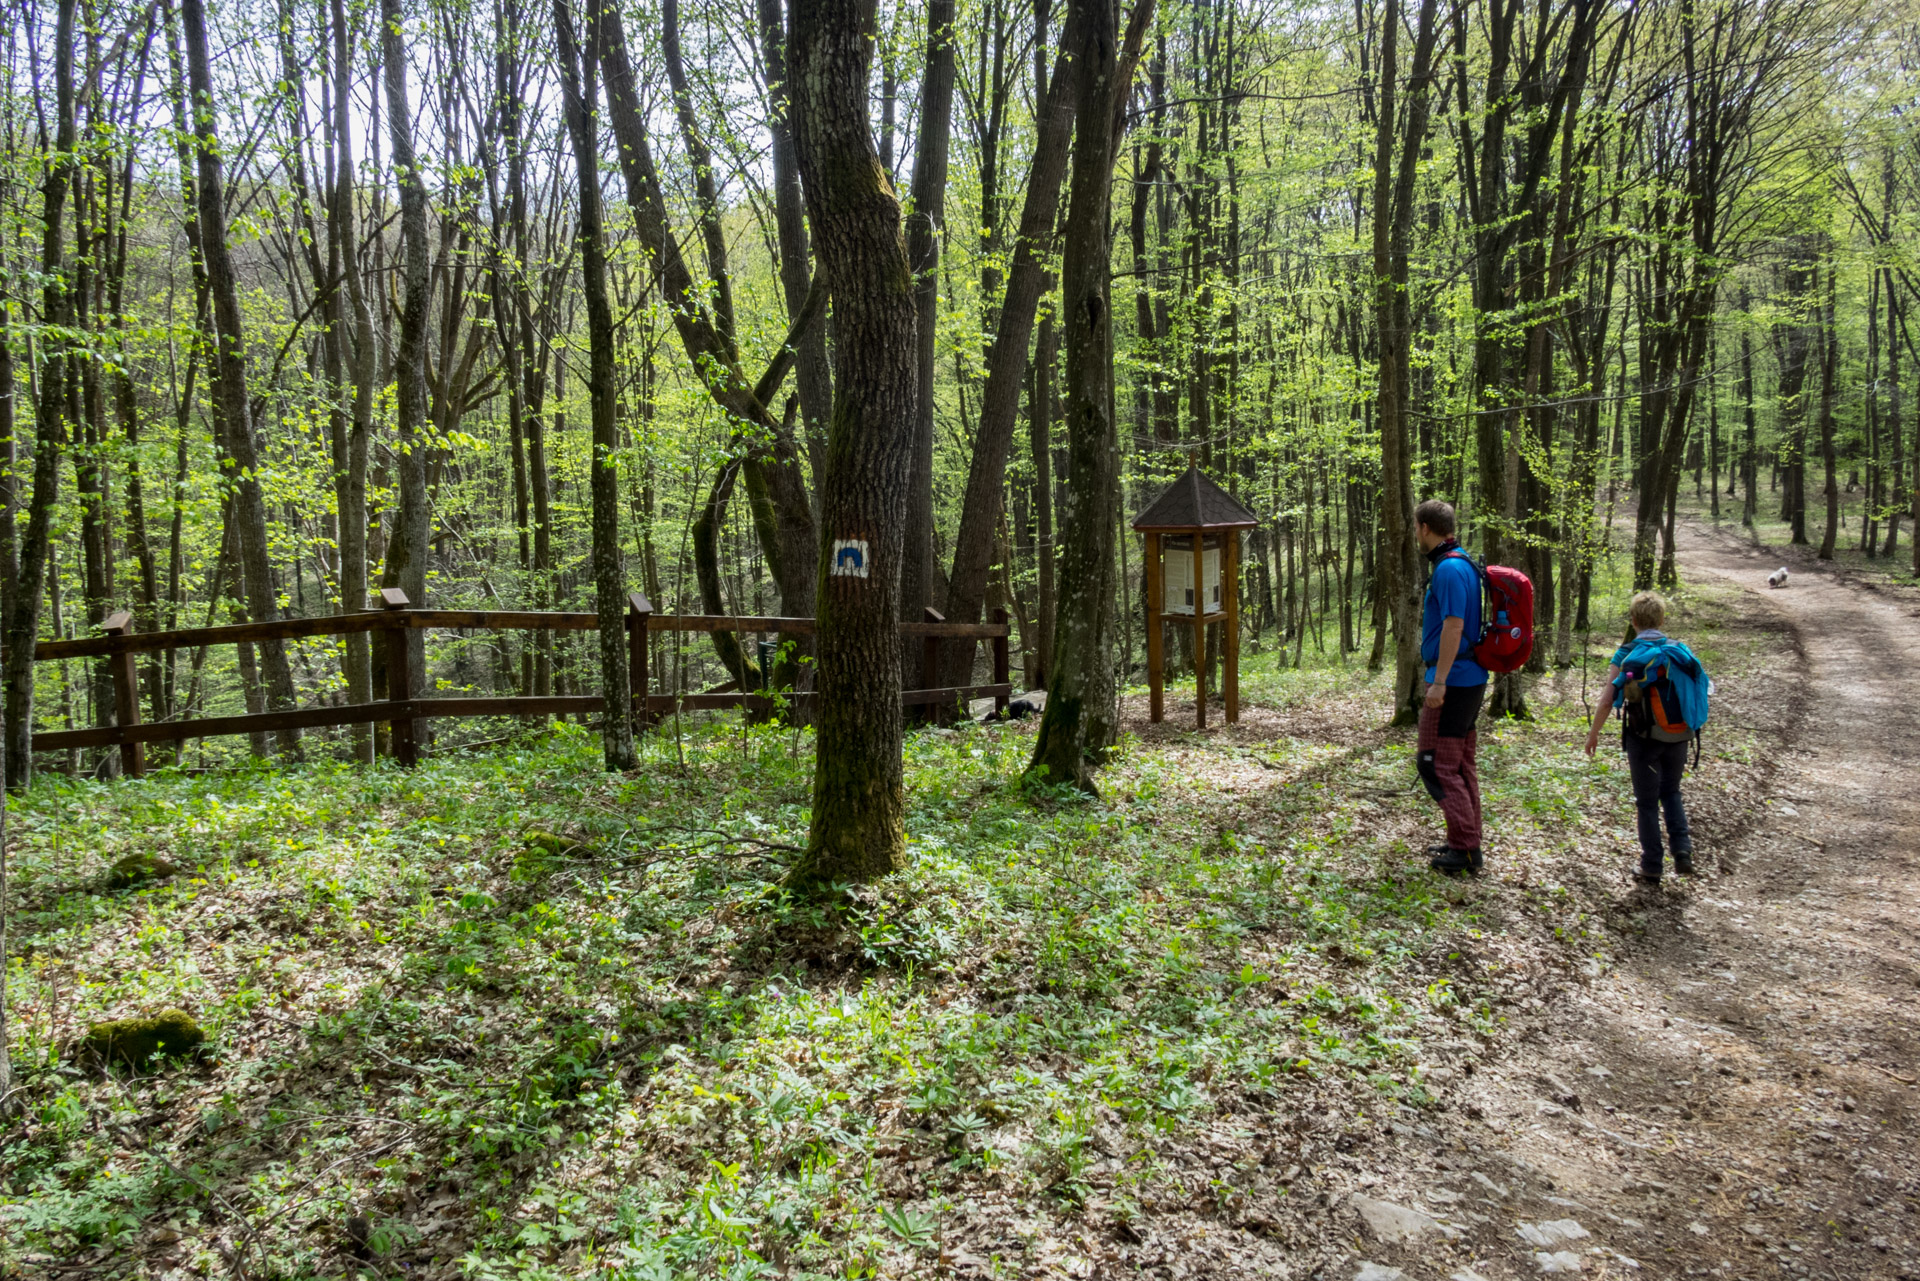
(1653, 732)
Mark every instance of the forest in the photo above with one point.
(506, 311)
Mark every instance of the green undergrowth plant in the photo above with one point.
(517, 1017)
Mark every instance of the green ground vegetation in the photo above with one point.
(511, 1016)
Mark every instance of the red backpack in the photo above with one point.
(1506, 617)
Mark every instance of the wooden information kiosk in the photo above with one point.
(1193, 570)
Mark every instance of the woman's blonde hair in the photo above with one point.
(1647, 610)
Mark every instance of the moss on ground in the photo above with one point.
(138, 1042)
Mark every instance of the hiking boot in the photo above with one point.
(1649, 879)
(1440, 850)
(1456, 862)
(1683, 862)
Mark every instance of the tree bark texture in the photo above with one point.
(580, 94)
(1393, 193)
(1081, 715)
(859, 818)
(812, 373)
(407, 549)
(1007, 359)
(764, 447)
(351, 492)
(1829, 358)
(923, 251)
(23, 627)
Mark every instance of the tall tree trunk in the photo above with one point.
(762, 447)
(1750, 464)
(1007, 359)
(1040, 445)
(1829, 357)
(1870, 509)
(229, 370)
(1713, 433)
(859, 802)
(923, 250)
(579, 82)
(9, 460)
(23, 628)
(407, 550)
(1081, 718)
(1898, 496)
(812, 375)
(351, 470)
(1393, 195)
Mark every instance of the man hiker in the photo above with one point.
(1661, 690)
(1447, 745)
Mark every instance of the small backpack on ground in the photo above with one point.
(1506, 616)
(1663, 693)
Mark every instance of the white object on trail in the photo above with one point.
(1553, 1233)
(1778, 578)
(1394, 1224)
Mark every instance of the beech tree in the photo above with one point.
(859, 806)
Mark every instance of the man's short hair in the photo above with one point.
(1647, 610)
(1435, 515)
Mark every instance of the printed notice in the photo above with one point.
(849, 558)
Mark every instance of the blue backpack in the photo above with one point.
(1662, 692)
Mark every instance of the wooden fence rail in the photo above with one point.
(119, 644)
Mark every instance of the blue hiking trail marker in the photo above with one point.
(849, 558)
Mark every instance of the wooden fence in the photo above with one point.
(396, 618)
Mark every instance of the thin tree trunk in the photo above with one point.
(407, 550)
(1871, 508)
(351, 471)
(1081, 719)
(762, 445)
(1894, 437)
(579, 84)
(1829, 357)
(924, 226)
(812, 375)
(230, 372)
(1040, 447)
(1750, 464)
(49, 419)
(1007, 359)
(1393, 189)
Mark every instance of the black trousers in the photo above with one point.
(1656, 769)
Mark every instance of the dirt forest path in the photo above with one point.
(1738, 1099)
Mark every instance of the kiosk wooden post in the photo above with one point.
(1156, 591)
(1002, 662)
(1195, 509)
(1230, 628)
(1199, 630)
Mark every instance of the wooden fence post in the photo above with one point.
(930, 664)
(399, 680)
(639, 610)
(126, 694)
(1002, 661)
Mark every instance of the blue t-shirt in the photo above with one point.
(1453, 592)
